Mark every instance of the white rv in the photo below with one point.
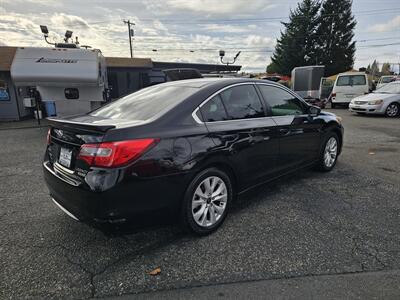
(76, 79)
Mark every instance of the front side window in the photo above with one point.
(242, 102)
(213, 110)
(281, 102)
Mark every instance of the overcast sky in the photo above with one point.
(175, 27)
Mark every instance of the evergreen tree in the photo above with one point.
(374, 68)
(297, 44)
(335, 36)
(386, 69)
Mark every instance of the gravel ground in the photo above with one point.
(307, 224)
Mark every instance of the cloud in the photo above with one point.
(391, 25)
(215, 7)
(226, 28)
(68, 21)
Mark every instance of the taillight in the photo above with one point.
(114, 154)
(333, 94)
(49, 136)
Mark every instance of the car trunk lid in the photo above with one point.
(66, 136)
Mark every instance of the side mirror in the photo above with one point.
(314, 111)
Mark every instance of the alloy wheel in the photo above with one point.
(330, 152)
(209, 201)
(392, 110)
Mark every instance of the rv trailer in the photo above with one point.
(74, 78)
(306, 82)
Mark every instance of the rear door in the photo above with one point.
(236, 120)
(299, 134)
(348, 87)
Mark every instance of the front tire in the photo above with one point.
(392, 110)
(329, 152)
(206, 201)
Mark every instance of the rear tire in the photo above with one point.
(333, 105)
(329, 152)
(206, 201)
(393, 110)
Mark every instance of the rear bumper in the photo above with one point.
(341, 100)
(125, 200)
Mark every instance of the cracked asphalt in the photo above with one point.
(307, 224)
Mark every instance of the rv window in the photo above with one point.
(71, 93)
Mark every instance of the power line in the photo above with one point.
(201, 21)
(237, 20)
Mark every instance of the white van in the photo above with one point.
(348, 86)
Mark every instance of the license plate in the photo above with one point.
(65, 157)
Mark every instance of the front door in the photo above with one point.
(299, 133)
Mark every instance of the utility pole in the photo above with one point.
(131, 34)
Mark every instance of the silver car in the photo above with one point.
(383, 101)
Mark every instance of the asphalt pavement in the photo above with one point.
(305, 234)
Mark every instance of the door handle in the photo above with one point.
(284, 131)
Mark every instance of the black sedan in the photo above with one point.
(186, 147)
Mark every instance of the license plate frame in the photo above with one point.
(65, 157)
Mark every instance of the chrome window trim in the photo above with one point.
(197, 120)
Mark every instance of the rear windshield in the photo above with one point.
(350, 80)
(146, 103)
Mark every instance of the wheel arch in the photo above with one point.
(333, 127)
(222, 163)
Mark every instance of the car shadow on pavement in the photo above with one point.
(170, 220)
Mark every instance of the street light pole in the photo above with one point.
(130, 34)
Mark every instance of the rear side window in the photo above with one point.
(146, 103)
(242, 102)
(214, 110)
(350, 80)
(281, 102)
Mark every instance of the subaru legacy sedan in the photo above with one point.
(186, 148)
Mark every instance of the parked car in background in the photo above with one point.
(348, 86)
(186, 147)
(385, 80)
(385, 100)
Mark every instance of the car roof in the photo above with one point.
(210, 81)
(352, 73)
